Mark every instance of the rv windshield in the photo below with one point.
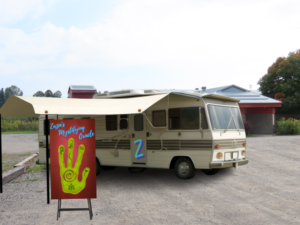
(224, 117)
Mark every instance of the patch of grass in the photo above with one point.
(37, 168)
(11, 156)
(39, 191)
(22, 132)
(33, 180)
(250, 135)
(16, 181)
(30, 180)
(8, 165)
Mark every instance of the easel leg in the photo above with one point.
(90, 208)
(58, 208)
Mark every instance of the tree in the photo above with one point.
(283, 82)
(1, 97)
(48, 93)
(39, 94)
(57, 94)
(12, 90)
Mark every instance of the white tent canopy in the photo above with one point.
(35, 106)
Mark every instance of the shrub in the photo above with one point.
(248, 126)
(19, 125)
(289, 126)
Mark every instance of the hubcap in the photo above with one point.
(183, 168)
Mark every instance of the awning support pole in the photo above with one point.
(1, 188)
(47, 156)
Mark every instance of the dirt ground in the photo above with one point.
(266, 191)
(20, 143)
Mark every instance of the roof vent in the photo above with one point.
(203, 88)
(196, 89)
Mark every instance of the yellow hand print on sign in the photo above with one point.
(69, 175)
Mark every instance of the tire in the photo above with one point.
(184, 168)
(210, 172)
(98, 167)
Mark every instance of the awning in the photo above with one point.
(35, 106)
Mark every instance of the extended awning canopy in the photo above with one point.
(35, 106)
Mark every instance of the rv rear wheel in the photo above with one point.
(98, 167)
(210, 171)
(184, 168)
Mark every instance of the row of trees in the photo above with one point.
(14, 90)
(48, 93)
(282, 82)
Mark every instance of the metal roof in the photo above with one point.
(82, 87)
(245, 96)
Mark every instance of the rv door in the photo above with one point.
(138, 140)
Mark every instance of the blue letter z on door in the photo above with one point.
(138, 154)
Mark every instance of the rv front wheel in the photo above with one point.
(184, 168)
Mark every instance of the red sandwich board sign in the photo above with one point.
(72, 158)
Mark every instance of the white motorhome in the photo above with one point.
(184, 131)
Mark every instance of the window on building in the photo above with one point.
(184, 118)
(159, 118)
(123, 122)
(111, 122)
(138, 122)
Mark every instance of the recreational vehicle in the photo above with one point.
(140, 129)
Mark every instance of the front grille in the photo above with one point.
(230, 144)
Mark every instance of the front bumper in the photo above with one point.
(226, 164)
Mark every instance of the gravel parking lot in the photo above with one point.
(20, 143)
(266, 191)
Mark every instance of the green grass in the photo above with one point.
(22, 132)
(31, 180)
(39, 191)
(37, 168)
(250, 135)
(11, 156)
(8, 165)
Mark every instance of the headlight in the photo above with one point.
(219, 155)
(243, 153)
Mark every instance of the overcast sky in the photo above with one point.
(132, 44)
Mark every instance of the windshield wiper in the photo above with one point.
(231, 118)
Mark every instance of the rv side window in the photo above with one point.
(111, 122)
(189, 118)
(159, 118)
(174, 119)
(204, 124)
(123, 122)
(184, 118)
(138, 123)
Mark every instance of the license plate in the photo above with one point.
(228, 156)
